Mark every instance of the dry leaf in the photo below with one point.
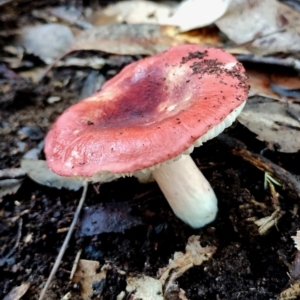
(17, 292)
(194, 255)
(9, 186)
(38, 171)
(267, 25)
(259, 82)
(133, 12)
(207, 36)
(291, 293)
(266, 223)
(124, 39)
(141, 39)
(86, 274)
(286, 85)
(48, 41)
(192, 14)
(286, 81)
(67, 296)
(144, 288)
(270, 121)
(273, 84)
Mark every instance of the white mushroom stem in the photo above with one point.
(187, 191)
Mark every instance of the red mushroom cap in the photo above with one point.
(152, 111)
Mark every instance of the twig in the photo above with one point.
(66, 241)
(75, 264)
(9, 254)
(62, 230)
(289, 181)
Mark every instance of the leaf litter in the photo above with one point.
(187, 15)
(274, 84)
(124, 39)
(275, 32)
(194, 255)
(270, 121)
(17, 292)
(192, 14)
(88, 276)
(266, 26)
(9, 186)
(47, 41)
(137, 12)
(142, 287)
(38, 171)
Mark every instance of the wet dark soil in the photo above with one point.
(246, 265)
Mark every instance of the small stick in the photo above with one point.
(289, 181)
(61, 230)
(75, 264)
(66, 241)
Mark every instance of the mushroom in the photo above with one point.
(148, 118)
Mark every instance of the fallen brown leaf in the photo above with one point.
(206, 36)
(87, 273)
(286, 85)
(144, 288)
(259, 82)
(194, 254)
(267, 26)
(48, 41)
(191, 14)
(38, 171)
(9, 186)
(133, 12)
(273, 84)
(291, 293)
(17, 292)
(270, 121)
(124, 39)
